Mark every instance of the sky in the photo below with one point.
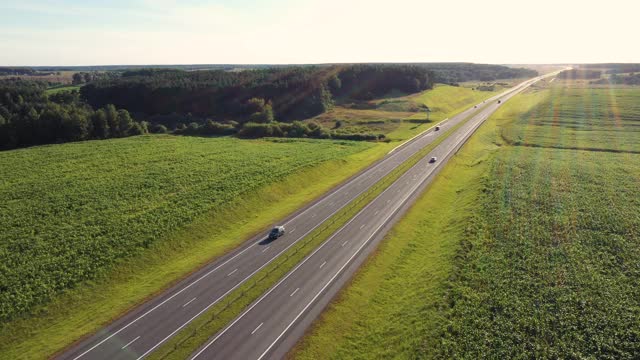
(94, 32)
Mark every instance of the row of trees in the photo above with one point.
(451, 73)
(8, 71)
(87, 77)
(615, 79)
(613, 68)
(580, 74)
(28, 117)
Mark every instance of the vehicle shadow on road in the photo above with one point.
(266, 241)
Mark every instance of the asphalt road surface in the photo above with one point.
(145, 328)
(269, 327)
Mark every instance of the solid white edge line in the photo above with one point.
(400, 204)
(335, 191)
(164, 302)
(130, 342)
(421, 133)
(357, 251)
(292, 271)
(243, 281)
(373, 170)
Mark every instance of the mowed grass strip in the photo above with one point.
(124, 218)
(394, 306)
(56, 90)
(444, 101)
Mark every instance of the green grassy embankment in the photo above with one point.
(392, 307)
(525, 246)
(113, 222)
(46, 318)
(193, 336)
(399, 117)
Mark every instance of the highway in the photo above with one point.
(148, 326)
(270, 326)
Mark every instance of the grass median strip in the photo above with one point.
(392, 308)
(196, 333)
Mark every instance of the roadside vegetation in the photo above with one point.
(551, 266)
(111, 222)
(253, 103)
(400, 116)
(525, 246)
(117, 221)
(393, 305)
(213, 320)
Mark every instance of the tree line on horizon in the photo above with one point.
(248, 103)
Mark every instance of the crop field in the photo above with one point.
(526, 246)
(596, 119)
(70, 212)
(551, 267)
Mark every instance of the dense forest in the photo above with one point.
(29, 117)
(614, 68)
(450, 73)
(580, 74)
(615, 79)
(8, 71)
(294, 93)
(250, 103)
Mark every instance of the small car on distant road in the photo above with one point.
(276, 232)
(433, 159)
(437, 128)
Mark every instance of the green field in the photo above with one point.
(156, 206)
(114, 222)
(399, 117)
(524, 246)
(55, 90)
(551, 267)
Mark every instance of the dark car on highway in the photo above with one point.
(276, 232)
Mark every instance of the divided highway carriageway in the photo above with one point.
(272, 324)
